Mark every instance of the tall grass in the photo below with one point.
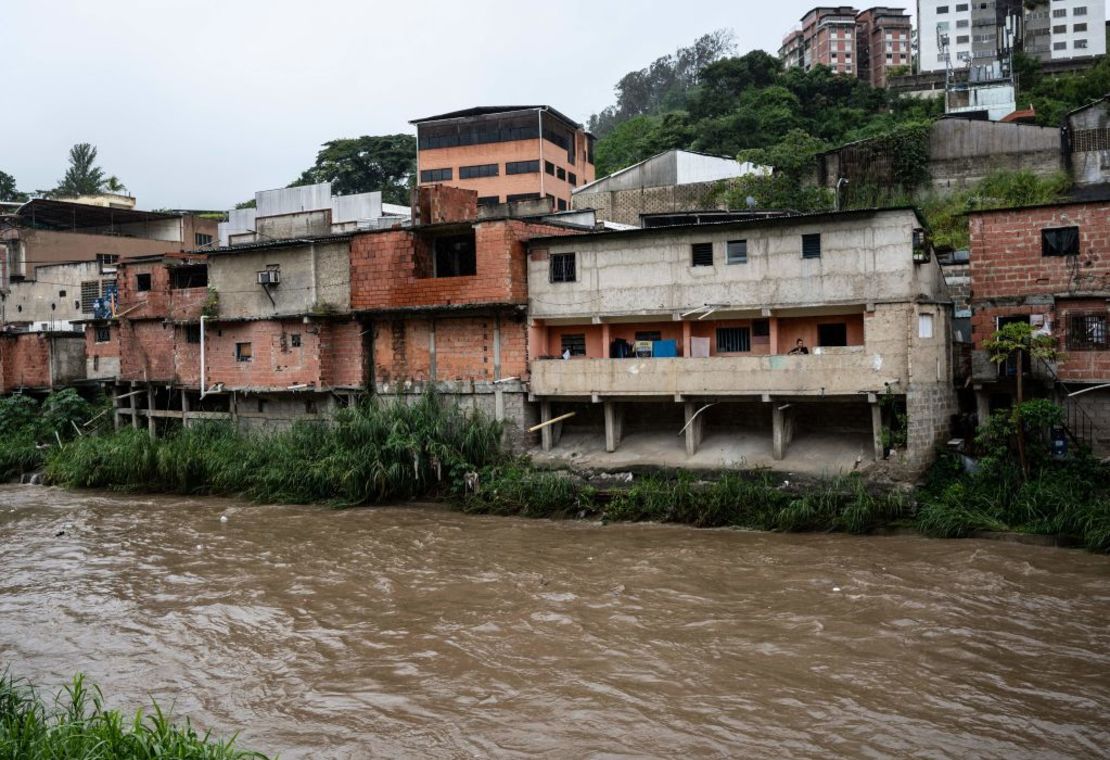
(370, 453)
(515, 488)
(29, 428)
(76, 726)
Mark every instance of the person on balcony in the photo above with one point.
(799, 348)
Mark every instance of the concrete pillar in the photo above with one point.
(605, 340)
(432, 350)
(117, 418)
(614, 425)
(773, 323)
(695, 430)
(877, 428)
(549, 435)
(687, 333)
(134, 406)
(184, 408)
(151, 422)
(782, 424)
(982, 405)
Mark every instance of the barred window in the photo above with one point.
(701, 255)
(1087, 332)
(811, 246)
(563, 267)
(733, 340)
(90, 291)
(574, 343)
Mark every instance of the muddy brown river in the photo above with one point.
(417, 633)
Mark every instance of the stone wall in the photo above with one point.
(626, 206)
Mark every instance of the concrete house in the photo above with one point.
(644, 334)
(1087, 146)
(1049, 266)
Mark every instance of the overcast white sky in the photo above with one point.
(198, 103)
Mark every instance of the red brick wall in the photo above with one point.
(110, 349)
(146, 350)
(342, 357)
(1007, 264)
(161, 300)
(464, 349)
(1006, 255)
(24, 362)
(385, 268)
(436, 204)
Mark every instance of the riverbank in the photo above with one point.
(386, 453)
(75, 725)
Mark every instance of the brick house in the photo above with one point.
(445, 302)
(1048, 265)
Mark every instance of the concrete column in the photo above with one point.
(497, 347)
(773, 323)
(432, 350)
(782, 423)
(184, 408)
(605, 340)
(549, 435)
(614, 425)
(134, 406)
(687, 333)
(117, 418)
(695, 430)
(982, 405)
(877, 428)
(151, 422)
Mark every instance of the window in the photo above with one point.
(142, 282)
(295, 340)
(942, 9)
(522, 167)
(561, 173)
(1080, 44)
(701, 255)
(835, 334)
(192, 333)
(1059, 46)
(242, 352)
(107, 262)
(963, 24)
(1060, 29)
(1060, 241)
(572, 178)
(561, 204)
(811, 246)
(1087, 332)
(199, 239)
(518, 197)
(731, 340)
(455, 256)
(90, 291)
(103, 333)
(961, 7)
(924, 325)
(1080, 11)
(549, 168)
(482, 170)
(962, 39)
(736, 252)
(61, 294)
(489, 200)
(575, 344)
(563, 267)
(1079, 28)
(191, 276)
(649, 335)
(1060, 12)
(761, 328)
(436, 175)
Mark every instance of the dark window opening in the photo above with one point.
(436, 175)
(295, 340)
(832, 335)
(549, 168)
(572, 178)
(192, 333)
(481, 170)
(1060, 241)
(737, 252)
(243, 352)
(1087, 332)
(701, 255)
(189, 277)
(561, 173)
(761, 328)
(103, 333)
(575, 344)
(489, 200)
(479, 132)
(61, 294)
(811, 246)
(563, 267)
(142, 282)
(455, 256)
(517, 197)
(650, 335)
(731, 340)
(522, 167)
(200, 238)
(561, 204)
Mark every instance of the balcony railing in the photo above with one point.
(834, 371)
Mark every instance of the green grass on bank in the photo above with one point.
(75, 725)
(376, 453)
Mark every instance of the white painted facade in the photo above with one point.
(1077, 28)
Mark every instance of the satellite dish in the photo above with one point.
(751, 201)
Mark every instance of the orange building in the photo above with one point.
(506, 153)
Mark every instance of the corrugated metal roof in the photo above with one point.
(470, 113)
(269, 244)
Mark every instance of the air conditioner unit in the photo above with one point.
(269, 277)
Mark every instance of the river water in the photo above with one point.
(408, 632)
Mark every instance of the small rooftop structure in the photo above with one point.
(72, 215)
(673, 167)
(470, 113)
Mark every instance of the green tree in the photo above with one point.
(365, 164)
(1018, 340)
(639, 138)
(787, 187)
(83, 177)
(8, 190)
(113, 185)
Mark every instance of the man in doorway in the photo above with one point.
(799, 347)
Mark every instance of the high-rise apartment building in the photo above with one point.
(1063, 29)
(864, 44)
(506, 153)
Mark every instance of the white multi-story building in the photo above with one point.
(1076, 28)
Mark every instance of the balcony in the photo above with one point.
(834, 371)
